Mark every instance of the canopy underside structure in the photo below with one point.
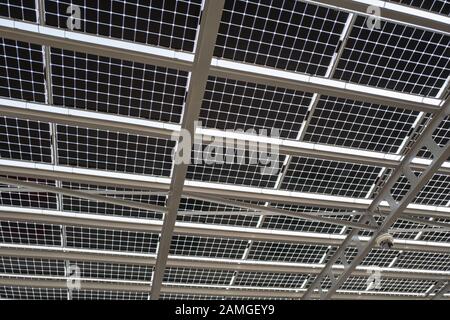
(97, 98)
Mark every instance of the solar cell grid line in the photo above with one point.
(353, 124)
(21, 70)
(238, 105)
(30, 198)
(438, 6)
(83, 195)
(106, 150)
(171, 24)
(108, 85)
(288, 35)
(30, 293)
(397, 57)
(19, 9)
(196, 276)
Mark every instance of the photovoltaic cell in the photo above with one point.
(108, 295)
(118, 87)
(237, 105)
(397, 57)
(353, 124)
(21, 71)
(329, 177)
(171, 24)
(289, 35)
(107, 150)
(113, 271)
(31, 266)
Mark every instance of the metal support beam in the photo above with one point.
(396, 207)
(83, 195)
(201, 230)
(134, 181)
(174, 261)
(130, 286)
(404, 14)
(101, 121)
(120, 49)
(209, 26)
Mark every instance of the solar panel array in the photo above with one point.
(299, 37)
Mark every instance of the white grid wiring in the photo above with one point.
(197, 276)
(25, 140)
(348, 123)
(113, 271)
(297, 224)
(112, 240)
(25, 293)
(125, 88)
(290, 35)
(270, 279)
(423, 261)
(437, 6)
(171, 24)
(29, 233)
(19, 9)
(397, 57)
(21, 71)
(108, 295)
(437, 236)
(106, 150)
(245, 169)
(286, 252)
(73, 204)
(388, 285)
(31, 266)
(207, 247)
(188, 207)
(329, 177)
(238, 105)
(13, 196)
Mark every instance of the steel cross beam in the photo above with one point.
(84, 195)
(206, 41)
(197, 229)
(176, 261)
(440, 154)
(177, 288)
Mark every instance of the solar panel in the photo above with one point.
(436, 6)
(286, 69)
(117, 87)
(329, 177)
(288, 35)
(106, 150)
(353, 124)
(21, 71)
(397, 57)
(19, 9)
(171, 24)
(237, 105)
